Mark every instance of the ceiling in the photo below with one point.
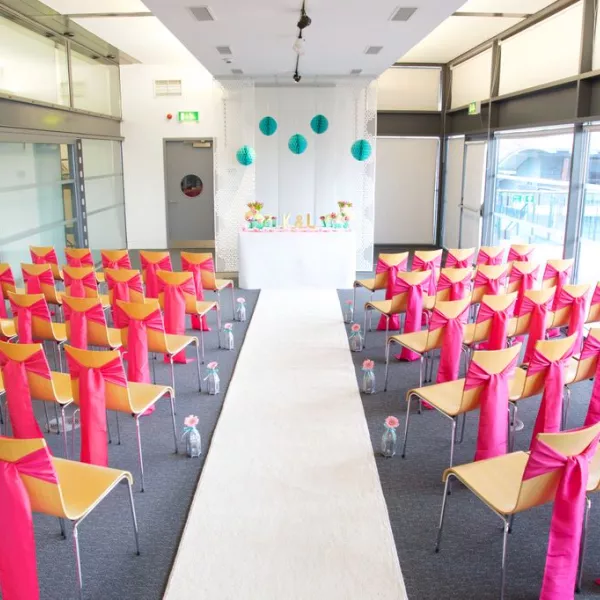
(458, 34)
(261, 33)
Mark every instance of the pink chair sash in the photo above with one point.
(150, 269)
(492, 436)
(595, 296)
(122, 263)
(537, 322)
(483, 258)
(414, 311)
(513, 255)
(526, 283)
(5, 277)
(550, 412)
(25, 316)
(33, 283)
(92, 403)
(562, 278)
(591, 347)
(175, 310)
(77, 286)
(78, 321)
(499, 325)
(49, 258)
(418, 264)
(18, 568)
(85, 260)
(579, 310)
(18, 393)
(120, 291)
(390, 290)
(452, 343)
(492, 286)
(458, 289)
(560, 571)
(196, 269)
(463, 263)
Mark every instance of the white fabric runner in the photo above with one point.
(289, 504)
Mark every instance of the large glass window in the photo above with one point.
(532, 189)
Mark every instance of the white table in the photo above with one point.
(297, 259)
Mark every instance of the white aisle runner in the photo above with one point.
(289, 504)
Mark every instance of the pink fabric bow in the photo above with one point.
(390, 290)
(18, 393)
(492, 286)
(25, 316)
(596, 296)
(498, 327)
(463, 263)
(458, 289)
(513, 255)
(92, 404)
(77, 286)
(33, 283)
(562, 278)
(418, 264)
(18, 568)
(150, 269)
(78, 321)
(579, 309)
(49, 258)
(492, 436)
(526, 283)
(562, 558)
(196, 269)
(120, 291)
(483, 258)
(175, 310)
(121, 263)
(6, 277)
(414, 311)
(537, 322)
(85, 260)
(550, 412)
(591, 347)
(452, 343)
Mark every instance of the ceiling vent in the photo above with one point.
(201, 13)
(224, 50)
(356, 72)
(237, 71)
(167, 87)
(373, 49)
(403, 14)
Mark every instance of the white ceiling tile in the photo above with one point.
(69, 7)
(505, 6)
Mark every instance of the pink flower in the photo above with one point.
(368, 365)
(241, 300)
(191, 421)
(349, 302)
(228, 326)
(356, 327)
(212, 365)
(392, 422)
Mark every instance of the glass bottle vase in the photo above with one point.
(240, 312)
(349, 313)
(228, 342)
(356, 342)
(368, 382)
(388, 442)
(193, 442)
(214, 383)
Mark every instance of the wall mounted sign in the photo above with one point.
(188, 116)
(475, 108)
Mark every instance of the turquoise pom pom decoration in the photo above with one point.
(268, 125)
(297, 143)
(245, 155)
(319, 124)
(361, 150)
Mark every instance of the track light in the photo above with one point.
(297, 77)
(299, 46)
(304, 21)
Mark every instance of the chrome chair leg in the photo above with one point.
(153, 368)
(133, 518)
(108, 428)
(219, 324)
(118, 428)
(504, 549)
(387, 364)
(371, 314)
(452, 441)
(196, 343)
(63, 531)
(57, 420)
(462, 429)
(172, 401)
(353, 302)
(139, 443)
(366, 311)
(172, 371)
(64, 431)
(47, 419)
(202, 343)
(406, 426)
(584, 531)
(232, 302)
(78, 559)
(73, 431)
(443, 514)
(422, 362)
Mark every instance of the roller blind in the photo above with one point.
(471, 80)
(409, 88)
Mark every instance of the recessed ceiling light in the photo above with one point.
(237, 71)
(373, 49)
(201, 13)
(356, 72)
(224, 50)
(403, 13)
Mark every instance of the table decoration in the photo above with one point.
(214, 382)
(240, 309)
(193, 441)
(388, 440)
(356, 338)
(368, 381)
(349, 311)
(228, 342)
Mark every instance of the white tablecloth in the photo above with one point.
(303, 259)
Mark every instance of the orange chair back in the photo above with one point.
(86, 275)
(97, 332)
(491, 272)
(586, 367)
(451, 310)
(491, 251)
(399, 301)
(131, 277)
(45, 255)
(594, 312)
(41, 325)
(460, 254)
(381, 279)
(46, 284)
(79, 257)
(209, 281)
(157, 339)
(497, 303)
(539, 297)
(455, 276)
(177, 278)
(115, 259)
(7, 280)
(561, 266)
(563, 315)
(524, 268)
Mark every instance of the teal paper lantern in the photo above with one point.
(297, 143)
(361, 150)
(268, 125)
(319, 124)
(245, 155)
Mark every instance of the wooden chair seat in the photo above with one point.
(144, 395)
(176, 343)
(417, 341)
(221, 284)
(445, 396)
(62, 386)
(368, 284)
(203, 307)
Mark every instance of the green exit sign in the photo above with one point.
(475, 108)
(188, 116)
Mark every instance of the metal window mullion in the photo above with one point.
(81, 203)
(69, 73)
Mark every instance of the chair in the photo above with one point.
(39, 279)
(424, 342)
(152, 262)
(125, 285)
(571, 308)
(523, 276)
(45, 385)
(32, 320)
(557, 273)
(185, 283)
(131, 398)
(522, 325)
(82, 257)
(491, 255)
(593, 315)
(72, 490)
(452, 284)
(8, 331)
(455, 398)
(521, 252)
(489, 280)
(115, 259)
(460, 258)
(428, 260)
(505, 486)
(385, 263)
(7, 284)
(90, 320)
(46, 255)
(207, 271)
(156, 339)
(81, 282)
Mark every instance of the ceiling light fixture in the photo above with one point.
(299, 43)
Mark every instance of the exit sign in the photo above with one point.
(475, 108)
(188, 116)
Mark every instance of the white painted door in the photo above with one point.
(473, 190)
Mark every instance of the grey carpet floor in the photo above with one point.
(468, 566)
(111, 570)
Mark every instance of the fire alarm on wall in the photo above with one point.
(169, 116)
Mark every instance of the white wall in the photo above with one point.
(471, 80)
(409, 88)
(404, 190)
(453, 176)
(144, 127)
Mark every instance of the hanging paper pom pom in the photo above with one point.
(246, 155)
(361, 150)
(268, 125)
(297, 143)
(319, 124)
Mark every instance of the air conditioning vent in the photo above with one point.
(356, 72)
(224, 50)
(373, 49)
(403, 14)
(201, 13)
(237, 71)
(167, 87)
